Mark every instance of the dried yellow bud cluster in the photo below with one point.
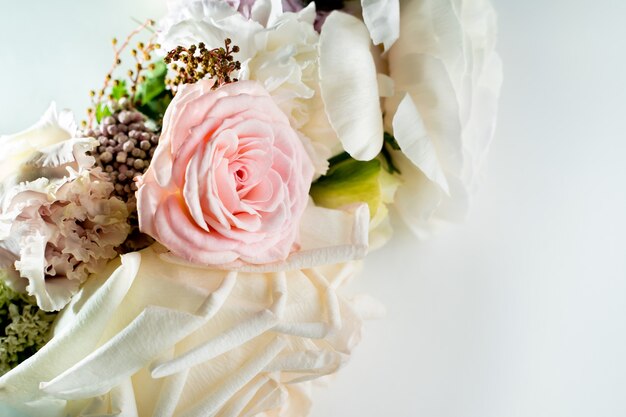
(197, 62)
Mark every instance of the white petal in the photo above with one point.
(77, 332)
(427, 80)
(266, 11)
(414, 141)
(155, 329)
(68, 151)
(382, 18)
(17, 149)
(308, 13)
(349, 85)
(418, 199)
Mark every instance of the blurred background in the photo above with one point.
(519, 312)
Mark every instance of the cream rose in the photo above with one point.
(149, 337)
(229, 180)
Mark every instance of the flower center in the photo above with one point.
(241, 174)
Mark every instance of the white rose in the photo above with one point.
(152, 337)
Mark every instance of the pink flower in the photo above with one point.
(229, 180)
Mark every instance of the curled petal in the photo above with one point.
(415, 143)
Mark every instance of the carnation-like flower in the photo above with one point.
(58, 232)
(229, 180)
(195, 342)
(58, 219)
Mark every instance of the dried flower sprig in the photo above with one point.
(141, 54)
(197, 62)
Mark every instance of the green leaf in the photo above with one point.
(118, 91)
(154, 85)
(391, 141)
(102, 111)
(152, 97)
(347, 182)
(155, 108)
(339, 158)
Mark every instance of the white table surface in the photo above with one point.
(521, 311)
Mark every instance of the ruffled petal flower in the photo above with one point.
(58, 219)
(63, 230)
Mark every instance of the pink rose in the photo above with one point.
(229, 180)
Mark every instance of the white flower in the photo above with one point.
(446, 76)
(149, 337)
(447, 79)
(281, 52)
(19, 148)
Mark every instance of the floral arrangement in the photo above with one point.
(185, 250)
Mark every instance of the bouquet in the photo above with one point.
(185, 249)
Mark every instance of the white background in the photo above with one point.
(521, 311)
